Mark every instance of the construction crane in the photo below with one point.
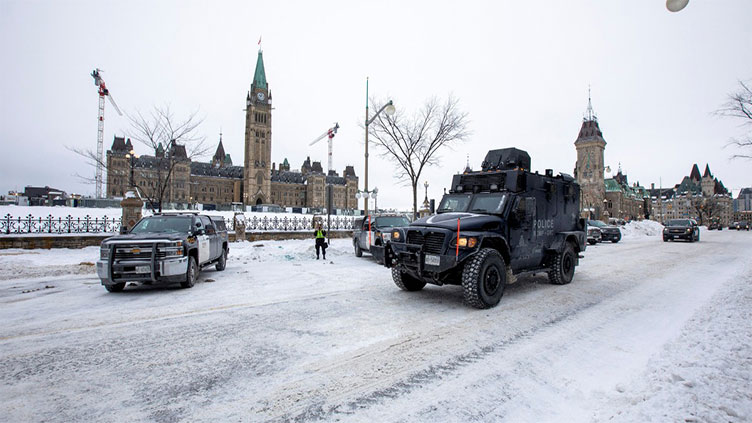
(103, 92)
(329, 133)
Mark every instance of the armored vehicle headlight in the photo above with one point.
(468, 242)
(395, 235)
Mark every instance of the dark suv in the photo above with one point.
(168, 247)
(372, 234)
(681, 229)
(608, 232)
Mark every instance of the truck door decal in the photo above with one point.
(203, 249)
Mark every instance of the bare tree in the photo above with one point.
(173, 141)
(414, 141)
(707, 208)
(739, 106)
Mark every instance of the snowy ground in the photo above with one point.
(647, 331)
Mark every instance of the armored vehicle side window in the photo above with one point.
(488, 203)
(163, 224)
(454, 203)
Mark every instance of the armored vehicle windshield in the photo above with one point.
(489, 203)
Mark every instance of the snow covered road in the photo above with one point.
(646, 331)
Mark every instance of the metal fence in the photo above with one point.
(58, 225)
(95, 225)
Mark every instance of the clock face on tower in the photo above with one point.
(260, 96)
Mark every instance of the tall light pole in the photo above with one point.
(389, 107)
(132, 156)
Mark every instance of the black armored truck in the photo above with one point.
(493, 225)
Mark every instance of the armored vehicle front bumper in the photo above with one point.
(427, 253)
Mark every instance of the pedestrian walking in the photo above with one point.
(320, 236)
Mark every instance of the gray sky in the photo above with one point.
(521, 70)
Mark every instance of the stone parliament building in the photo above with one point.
(219, 183)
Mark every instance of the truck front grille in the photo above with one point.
(135, 252)
(432, 242)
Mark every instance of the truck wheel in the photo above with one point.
(406, 282)
(615, 240)
(562, 269)
(191, 274)
(222, 263)
(484, 278)
(115, 288)
(358, 251)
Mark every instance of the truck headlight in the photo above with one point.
(386, 236)
(665, 230)
(689, 230)
(174, 249)
(104, 252)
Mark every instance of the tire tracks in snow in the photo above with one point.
(394, 368)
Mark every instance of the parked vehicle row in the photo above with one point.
(740, 226)
(607, 232)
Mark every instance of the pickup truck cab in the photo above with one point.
(372, 234)
(166, 247)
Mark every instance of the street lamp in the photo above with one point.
(366, 195)
(390, 109)
(133, 157)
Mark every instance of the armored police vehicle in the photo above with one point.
(493, 225)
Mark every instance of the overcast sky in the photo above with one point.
(520, 69)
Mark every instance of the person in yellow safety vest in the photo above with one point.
(321, 243)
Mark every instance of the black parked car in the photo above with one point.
(608, 232)
(169, 247)
(681, 229)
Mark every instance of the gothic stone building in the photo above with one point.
(219, 182)
(589, 169)
(681, 200)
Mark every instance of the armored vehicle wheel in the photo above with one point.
(222, 262)
(406, 282)
(358, 251)
(484, 278)
(115, 288)
(562, 269)
(191, 274)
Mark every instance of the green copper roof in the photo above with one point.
(286, 163)
(259, 78)
(612, 185)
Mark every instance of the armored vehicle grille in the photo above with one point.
(432, 242)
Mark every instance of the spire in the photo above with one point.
(468, 169)
(589, 113)
(695, 173)
(259, 77)
(707, 171)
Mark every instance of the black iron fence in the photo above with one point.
(58, 225)
(93, 225)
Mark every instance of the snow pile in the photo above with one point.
(636, 229)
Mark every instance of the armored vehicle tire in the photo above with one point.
(406, 282)
(191, 274)
(562, 269)
(358, 251)
(115, 288)
(222, 262)
(484, 278)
